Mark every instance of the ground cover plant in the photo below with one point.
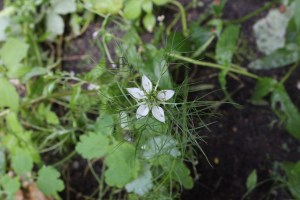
(149, 99)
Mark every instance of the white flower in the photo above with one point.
(149, 99)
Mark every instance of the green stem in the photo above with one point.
(183, 17)
(250, 15)
(68, 157)
(213, 65)
(288, 74)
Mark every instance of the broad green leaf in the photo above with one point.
(296, 15)
(251, 180)
(106, 6)
(201, 37)
(225, 49)
(279, 58)
(161, 145)
(2, 161)
(12, 56)
(9, 96)
(63, 6)
(4, 23)
(55, 24)
(177, 42)
(226, 45)
(289, 111)
(22, 162)
(142, 184)
(36, 71)
(133, 9)
(149, 22)
(93, 145)
(123, 167)
(262, 88)
(147, 6)
(48, 181)
(293, 172)
(51, 117)
(177, 170)
(161, 2)
(218, 8)
(104, 124)
(10, 186)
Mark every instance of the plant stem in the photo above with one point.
(250, 15)
(288, 74)
(213, 65)
(183, 16)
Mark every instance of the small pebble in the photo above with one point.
(298, 85)
(234, 129)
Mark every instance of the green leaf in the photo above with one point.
(10, 186)
(104, 124)
(133, 9)
(142, 184)
(4, 23)
(51, 117)
(9, 96)
(177, 171)
(225, 49)
(218, 8)
(226, 45)
(63, 6)
(147, 6)
(177, 42)
(160, 145)
(12, 56)
(287, 109)
(48, 181)
(293, 172)
(279, 58)
(251, 180)
(149, 22)
(161, 2)
(106, 6)
(296, 15)
(202, 37)
(2, 161)
(123, 167)
(55, 24)
(262, 88)
(93, 145)
(22, 162)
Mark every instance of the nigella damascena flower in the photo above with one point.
(150, 99)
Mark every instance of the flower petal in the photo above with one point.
(165, 95)
(137, 93)
(158, 113)
(147, 85)
(142, 111)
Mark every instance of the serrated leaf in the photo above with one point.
(22, 162)
(93, 145)
(48, 181)
(55, 24)
(123, 167)
(9, 96)
(133, 9)
(142, 184)
(293, 172)
(177, 171)
(10, 186)
(251, 180)
(63, 6)
(149, 22)
(104, 124)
